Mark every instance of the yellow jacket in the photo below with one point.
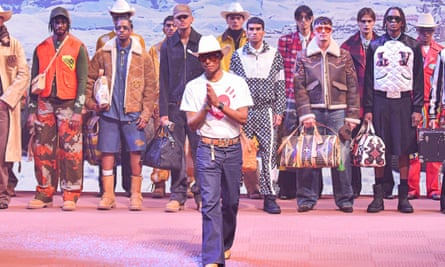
(225, 40)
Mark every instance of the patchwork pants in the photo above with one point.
(57, 150)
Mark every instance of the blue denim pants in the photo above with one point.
(308, 184)
(219, 179)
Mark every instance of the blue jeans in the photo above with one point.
(219, 179)
(181, 130)
(307, 183)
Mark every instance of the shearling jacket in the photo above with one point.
(141, 81)
(326, 81)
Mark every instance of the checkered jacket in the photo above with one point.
(264, 73)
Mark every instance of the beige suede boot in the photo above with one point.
(136, 196)
(108, 200)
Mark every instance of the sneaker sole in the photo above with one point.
(34, 207)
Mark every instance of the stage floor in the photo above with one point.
(152, 237)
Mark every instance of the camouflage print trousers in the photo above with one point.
(57, 150)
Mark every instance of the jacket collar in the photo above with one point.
(226, 35)
(135, 45)
(248, 50)
(193, 38)
(313, 48)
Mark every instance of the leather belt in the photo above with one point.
(220, 142)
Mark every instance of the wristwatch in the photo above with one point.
(220, 105)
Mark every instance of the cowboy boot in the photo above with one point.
(108, 200)
(377, 203)
(159, 190)
(404, 206)
(136, 196)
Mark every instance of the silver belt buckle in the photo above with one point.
(393, 94)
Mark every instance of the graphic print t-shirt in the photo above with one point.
(231, 90)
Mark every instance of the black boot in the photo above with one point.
(270, 205)
(387, 191)
(404, 205)
(377, 203)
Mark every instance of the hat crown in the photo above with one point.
(59, 11)
(208, 44)
(235, 8)
(6, 14)
(181, 9)
(121, 6)
(425, 20)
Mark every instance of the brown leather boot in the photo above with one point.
(108, 200)
(136, 196)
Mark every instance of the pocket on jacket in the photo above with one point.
(340, 86)
(311, 86)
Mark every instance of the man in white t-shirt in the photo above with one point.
(216, 105)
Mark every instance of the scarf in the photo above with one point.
(4, 36)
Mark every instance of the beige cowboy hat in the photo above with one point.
(235, 8)
(208, 44)
(425, 20)
(5, 14)
(121, 7)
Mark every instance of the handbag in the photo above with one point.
(101, 91)
(163, 152)
(306, 150)
(250, 150)
(39, 81)
(91, 137)
(367, 149)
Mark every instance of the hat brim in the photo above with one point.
(426, 26)
(245, 14)
(6, 15)
(132, 11)
(182, 13)
(225, 50)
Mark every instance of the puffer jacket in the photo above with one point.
(141, 81)
(326, 81)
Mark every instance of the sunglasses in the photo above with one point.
(210, 56)
(304, 17)
(397, 19)
(325, 28)
(180, 17)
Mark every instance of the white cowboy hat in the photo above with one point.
(235, 9)
(5, 14)
(120, 7)
(208, 44)
(425, 20)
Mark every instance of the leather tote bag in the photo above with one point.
(163, 152)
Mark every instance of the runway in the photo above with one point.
(322, 237)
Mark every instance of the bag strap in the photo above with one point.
(56, 54)
(283, 143)
(370, 127)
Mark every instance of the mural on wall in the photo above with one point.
(90, 18)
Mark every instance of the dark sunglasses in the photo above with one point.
(180, 17)
(210, 56)
(397, 19)
(305, 17)
(325, 28)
